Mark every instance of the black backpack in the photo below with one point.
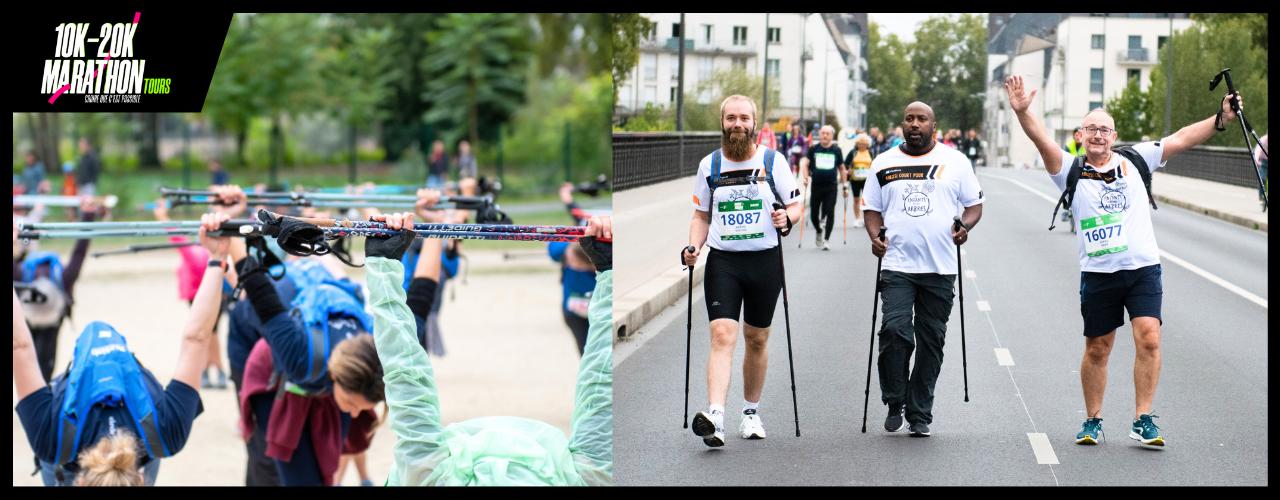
(1077, 168)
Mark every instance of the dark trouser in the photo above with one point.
(823, 204)
(261, 469)
(931, 296)
(46, 344)
(578, 325)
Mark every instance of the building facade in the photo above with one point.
(812, 59)
(1077, 61)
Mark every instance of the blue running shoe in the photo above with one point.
(1090, 432)
(1146, 431)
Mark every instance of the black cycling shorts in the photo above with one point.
(736, 278)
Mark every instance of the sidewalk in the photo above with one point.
(1234, 204)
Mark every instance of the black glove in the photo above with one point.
(392, 248)
(294, 236)
(600, 253)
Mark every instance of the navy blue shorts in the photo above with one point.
(1105, 296)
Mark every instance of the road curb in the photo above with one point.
(642, 304)
(1217, 214)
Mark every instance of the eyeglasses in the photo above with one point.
(1092, 130)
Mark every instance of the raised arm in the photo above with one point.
(412, 401)
(1020, 102)
(1195, 134)
(192, 356)
(591, 441)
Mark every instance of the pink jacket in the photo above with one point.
(191, 270)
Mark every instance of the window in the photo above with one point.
(706, 66)
(650, 94)
(675, 30)
(675, 69)
(1135, 42)
(740, 35)
(1098, 42)
(1095, 80)
(650, 67)
(775, 35)
(653, 33)
(1135, 74)
(772, 68)
(708, 32)
(1094, 105)
(673, 94)
(1160, 41)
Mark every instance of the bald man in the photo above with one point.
(915, 190)
(1119, 260)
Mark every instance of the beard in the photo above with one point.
(918, 142)
(738, 143)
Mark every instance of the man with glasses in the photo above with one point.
(1119, 261)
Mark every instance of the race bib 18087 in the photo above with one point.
(1104, 235)
(740, 219)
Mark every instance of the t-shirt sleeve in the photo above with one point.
(36, 412)
(1060, 178)
(871, 191)
(840, 157)
(1151, 152)
(701, 191)
(784, 179)
(970, 191)
(176, 412)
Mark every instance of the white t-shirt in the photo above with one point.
(919, 196)
(741, 221)
(1112, 211)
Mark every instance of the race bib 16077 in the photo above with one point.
(1104, 235)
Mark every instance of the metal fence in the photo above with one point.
(644, 158)
(1228, 165)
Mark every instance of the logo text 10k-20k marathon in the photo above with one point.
(99, 64)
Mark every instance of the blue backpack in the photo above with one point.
(316, 304)
(37, 259)
(104, 372)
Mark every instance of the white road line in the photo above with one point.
(1003, 357)
(963, 252)
(1215, 279)
(1042, 448)
(1231, 287)
(1017, 390)
(984, 306)
(970, 274)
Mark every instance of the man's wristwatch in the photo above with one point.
(218, 263)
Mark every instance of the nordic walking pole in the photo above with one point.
(964, 357)
(875, 303)
(1245, 129)
(844, 228)
(786, 312)
(802, 208)
(688, 337)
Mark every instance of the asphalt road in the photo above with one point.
(1022, 296)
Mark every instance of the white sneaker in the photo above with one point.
(706, 427)
(817, 238)
(826, 246)
(751, 427)
(858, 223)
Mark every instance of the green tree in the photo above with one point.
(575, 42)
(1255, 24)
(950, 58)
(1222, 43)
(357, 74)
(1134, 112)
(478, 71)
(889, 73)
(628, 29)
(233, 98)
